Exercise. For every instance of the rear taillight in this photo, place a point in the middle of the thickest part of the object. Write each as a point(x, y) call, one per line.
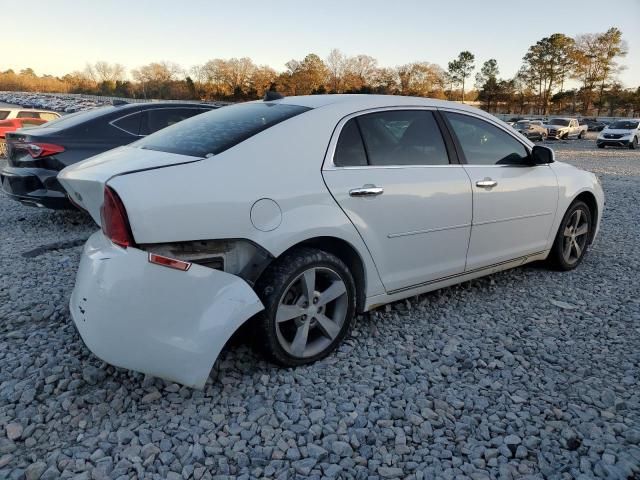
point(40, 150)
point(115, 223)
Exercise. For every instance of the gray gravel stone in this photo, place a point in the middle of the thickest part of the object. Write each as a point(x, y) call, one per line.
point(35, 471)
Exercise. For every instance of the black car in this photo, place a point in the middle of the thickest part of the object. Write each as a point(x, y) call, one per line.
point(35, 156)
point(595, 126)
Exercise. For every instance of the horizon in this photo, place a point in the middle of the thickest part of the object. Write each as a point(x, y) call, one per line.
point(392, 37)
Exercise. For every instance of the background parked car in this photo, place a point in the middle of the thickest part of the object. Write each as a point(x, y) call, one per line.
point(11, 113)
point(621, 133)
point(563, 128)
point(595, 125)
point(13, 125)
point(58, 102)
point(532, 129)
point(37, 155)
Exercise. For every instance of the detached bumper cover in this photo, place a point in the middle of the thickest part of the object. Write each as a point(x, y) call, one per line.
point(153, 319)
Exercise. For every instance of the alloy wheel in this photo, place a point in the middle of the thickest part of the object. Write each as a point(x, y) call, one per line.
point(311, 312)
point(575, 236)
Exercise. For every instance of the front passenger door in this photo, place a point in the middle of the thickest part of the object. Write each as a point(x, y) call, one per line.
point(514, 202)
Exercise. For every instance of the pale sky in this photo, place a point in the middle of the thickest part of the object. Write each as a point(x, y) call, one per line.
point(59, 36)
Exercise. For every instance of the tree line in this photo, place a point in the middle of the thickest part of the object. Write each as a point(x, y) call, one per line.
point(589, 63)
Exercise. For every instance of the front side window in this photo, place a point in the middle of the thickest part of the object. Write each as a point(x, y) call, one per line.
point(486, 144)
point(218, 130)
point(403, 137)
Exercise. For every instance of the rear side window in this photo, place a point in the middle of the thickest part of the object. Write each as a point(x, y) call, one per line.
point(48, 116)
point(28, 115)
point(216, 131)
point(486, 144)
point(350, 149)
point(130, 123)
point(403, 137)
point(4, 114)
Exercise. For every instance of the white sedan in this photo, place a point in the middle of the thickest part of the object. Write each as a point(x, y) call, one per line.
point(298, 213)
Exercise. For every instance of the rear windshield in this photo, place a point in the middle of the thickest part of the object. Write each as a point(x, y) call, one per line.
point(559, 121)
point(4, 114)
point(216, 131)
point(623, 125)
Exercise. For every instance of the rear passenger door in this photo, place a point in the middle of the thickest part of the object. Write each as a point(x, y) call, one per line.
point(390, 171)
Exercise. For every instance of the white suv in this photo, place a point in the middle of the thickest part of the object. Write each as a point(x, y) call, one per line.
point(11, 113)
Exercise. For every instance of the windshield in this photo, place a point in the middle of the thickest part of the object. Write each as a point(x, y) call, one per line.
point(623, 125)
point(218, 130)
point(559, 121)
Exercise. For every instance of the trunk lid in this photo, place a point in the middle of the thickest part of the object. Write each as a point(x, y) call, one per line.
point(85, 181)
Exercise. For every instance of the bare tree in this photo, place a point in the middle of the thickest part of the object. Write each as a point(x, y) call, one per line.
point(336, 64)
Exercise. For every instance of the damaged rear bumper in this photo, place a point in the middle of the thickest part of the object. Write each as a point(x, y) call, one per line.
point(156, 320)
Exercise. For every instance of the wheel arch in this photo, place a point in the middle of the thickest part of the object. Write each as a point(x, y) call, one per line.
point(590, 199)
point(346, 252)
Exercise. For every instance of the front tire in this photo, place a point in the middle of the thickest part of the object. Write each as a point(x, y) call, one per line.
point(310, 301)
point(633, 144)
point(572, 239)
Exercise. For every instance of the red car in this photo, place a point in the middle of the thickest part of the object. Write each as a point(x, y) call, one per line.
point(13, 125)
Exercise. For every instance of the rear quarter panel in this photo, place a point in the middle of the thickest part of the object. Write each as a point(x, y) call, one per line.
point(212, 198)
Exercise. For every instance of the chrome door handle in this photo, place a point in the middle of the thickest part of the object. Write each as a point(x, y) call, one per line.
point(486, 183)
point(366, 191)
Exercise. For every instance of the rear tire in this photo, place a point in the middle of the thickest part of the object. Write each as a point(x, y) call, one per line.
point(580, 135)
point(310, 301)
point(600, 146)
point(572, 239)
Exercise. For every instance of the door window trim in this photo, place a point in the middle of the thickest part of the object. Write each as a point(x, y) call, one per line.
point(458, 145)
point(329, 164)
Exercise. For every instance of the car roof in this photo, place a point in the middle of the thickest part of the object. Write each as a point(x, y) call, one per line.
point(36, 110)
point(364, 101)
point(152, 105)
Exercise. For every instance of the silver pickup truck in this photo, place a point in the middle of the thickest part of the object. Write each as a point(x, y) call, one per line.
point(560, 128)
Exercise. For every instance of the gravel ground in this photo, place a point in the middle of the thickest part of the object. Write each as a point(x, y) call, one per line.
point(524, 374)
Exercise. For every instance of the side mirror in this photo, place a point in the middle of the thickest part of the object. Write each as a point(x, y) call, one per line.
point(542, 155)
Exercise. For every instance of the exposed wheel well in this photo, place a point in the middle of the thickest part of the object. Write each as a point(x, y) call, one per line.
point(590, 200)
point(349, 255)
